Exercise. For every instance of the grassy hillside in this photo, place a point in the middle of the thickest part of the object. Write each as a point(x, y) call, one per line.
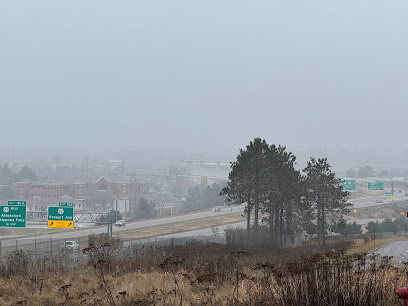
point(201, 274)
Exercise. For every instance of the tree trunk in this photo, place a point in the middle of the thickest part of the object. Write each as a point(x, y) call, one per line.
point(256, 200)
point(323, 225)
point(281, 232)
point(318, 222)
point(289, 224)
point(249, 213)
point(276, 221)
point(270, 214)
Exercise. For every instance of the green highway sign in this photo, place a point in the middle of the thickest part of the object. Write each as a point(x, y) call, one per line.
point(378, 185)
point(62, 217)
point(17, 203)
point(349, 185)
point(66, 204)
point(388, 194)
point(13, 216)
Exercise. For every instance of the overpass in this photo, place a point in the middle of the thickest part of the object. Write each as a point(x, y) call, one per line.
point(82, 217)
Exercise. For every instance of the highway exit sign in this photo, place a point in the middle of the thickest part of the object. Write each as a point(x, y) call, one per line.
point(17, 203)
point(388, 194)
point(13, 216)
point(378, 185)
point(349, 185)
point(62, 217)
point(61, 204)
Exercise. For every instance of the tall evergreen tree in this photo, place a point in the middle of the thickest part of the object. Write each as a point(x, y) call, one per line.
point(325, 193)
point(248, 179)
point(284, 203)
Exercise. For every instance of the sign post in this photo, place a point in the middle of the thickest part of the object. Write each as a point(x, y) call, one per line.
point(61, 217)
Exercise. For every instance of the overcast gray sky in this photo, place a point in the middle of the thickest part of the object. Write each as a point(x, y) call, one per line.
point(209, 76)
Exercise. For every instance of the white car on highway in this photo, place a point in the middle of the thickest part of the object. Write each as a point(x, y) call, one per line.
point(120, 223)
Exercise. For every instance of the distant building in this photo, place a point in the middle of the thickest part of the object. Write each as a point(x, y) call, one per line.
point(100, 194)
point(116, 165)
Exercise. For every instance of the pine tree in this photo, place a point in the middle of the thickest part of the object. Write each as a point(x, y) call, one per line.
point(248, 179)
point(325, 193)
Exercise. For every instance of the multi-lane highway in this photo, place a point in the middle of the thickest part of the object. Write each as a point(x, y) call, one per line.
point(377, 200)
point(70, 234)
point(397, 249)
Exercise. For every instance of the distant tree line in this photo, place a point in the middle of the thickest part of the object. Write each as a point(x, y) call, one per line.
point(388, 225)
point(344, 228)
point(287, 201)
point(367, 171)
point(362, 172)
point(202, 197)
point(8, 176)
point(144, 209)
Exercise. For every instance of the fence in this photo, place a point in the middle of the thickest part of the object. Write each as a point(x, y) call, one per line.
point(40, 248)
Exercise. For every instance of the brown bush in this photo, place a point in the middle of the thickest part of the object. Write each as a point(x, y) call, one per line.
point(208, 273)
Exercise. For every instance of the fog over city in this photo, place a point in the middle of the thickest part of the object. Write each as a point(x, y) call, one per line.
point(203, 152)
point(190, 79)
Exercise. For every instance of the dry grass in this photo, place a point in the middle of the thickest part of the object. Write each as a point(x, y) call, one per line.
point(29, 231)
point(364, 192)
point(380, 212)
point(181, 227)
point(203, 274)
point(372, 245)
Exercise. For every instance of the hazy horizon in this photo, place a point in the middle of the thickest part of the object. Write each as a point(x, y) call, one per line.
point(184, 79)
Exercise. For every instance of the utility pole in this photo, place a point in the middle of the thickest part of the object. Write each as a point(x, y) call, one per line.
point(109, 224)
point(374, 233)
point(116, 212)
point(110, 220)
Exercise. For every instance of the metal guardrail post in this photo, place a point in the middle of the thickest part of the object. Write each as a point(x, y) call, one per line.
point(51, 245)
point(16, 245)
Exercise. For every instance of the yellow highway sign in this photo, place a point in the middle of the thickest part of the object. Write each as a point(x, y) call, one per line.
point(61, 223)
point(355, 210)
point(392, 197)
point(402, 213)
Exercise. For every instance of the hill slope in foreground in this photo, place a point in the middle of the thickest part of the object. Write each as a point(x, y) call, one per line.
point(201, 274)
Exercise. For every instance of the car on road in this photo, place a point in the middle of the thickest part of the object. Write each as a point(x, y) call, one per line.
point(79, 226)
point(120, 223)
point(217, 208)
point(71, 245)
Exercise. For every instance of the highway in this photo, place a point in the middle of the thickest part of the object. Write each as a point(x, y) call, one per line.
point(72, 234)
point(79, 233)
point(397, 249)
point(204, 231)
point(377, 200)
